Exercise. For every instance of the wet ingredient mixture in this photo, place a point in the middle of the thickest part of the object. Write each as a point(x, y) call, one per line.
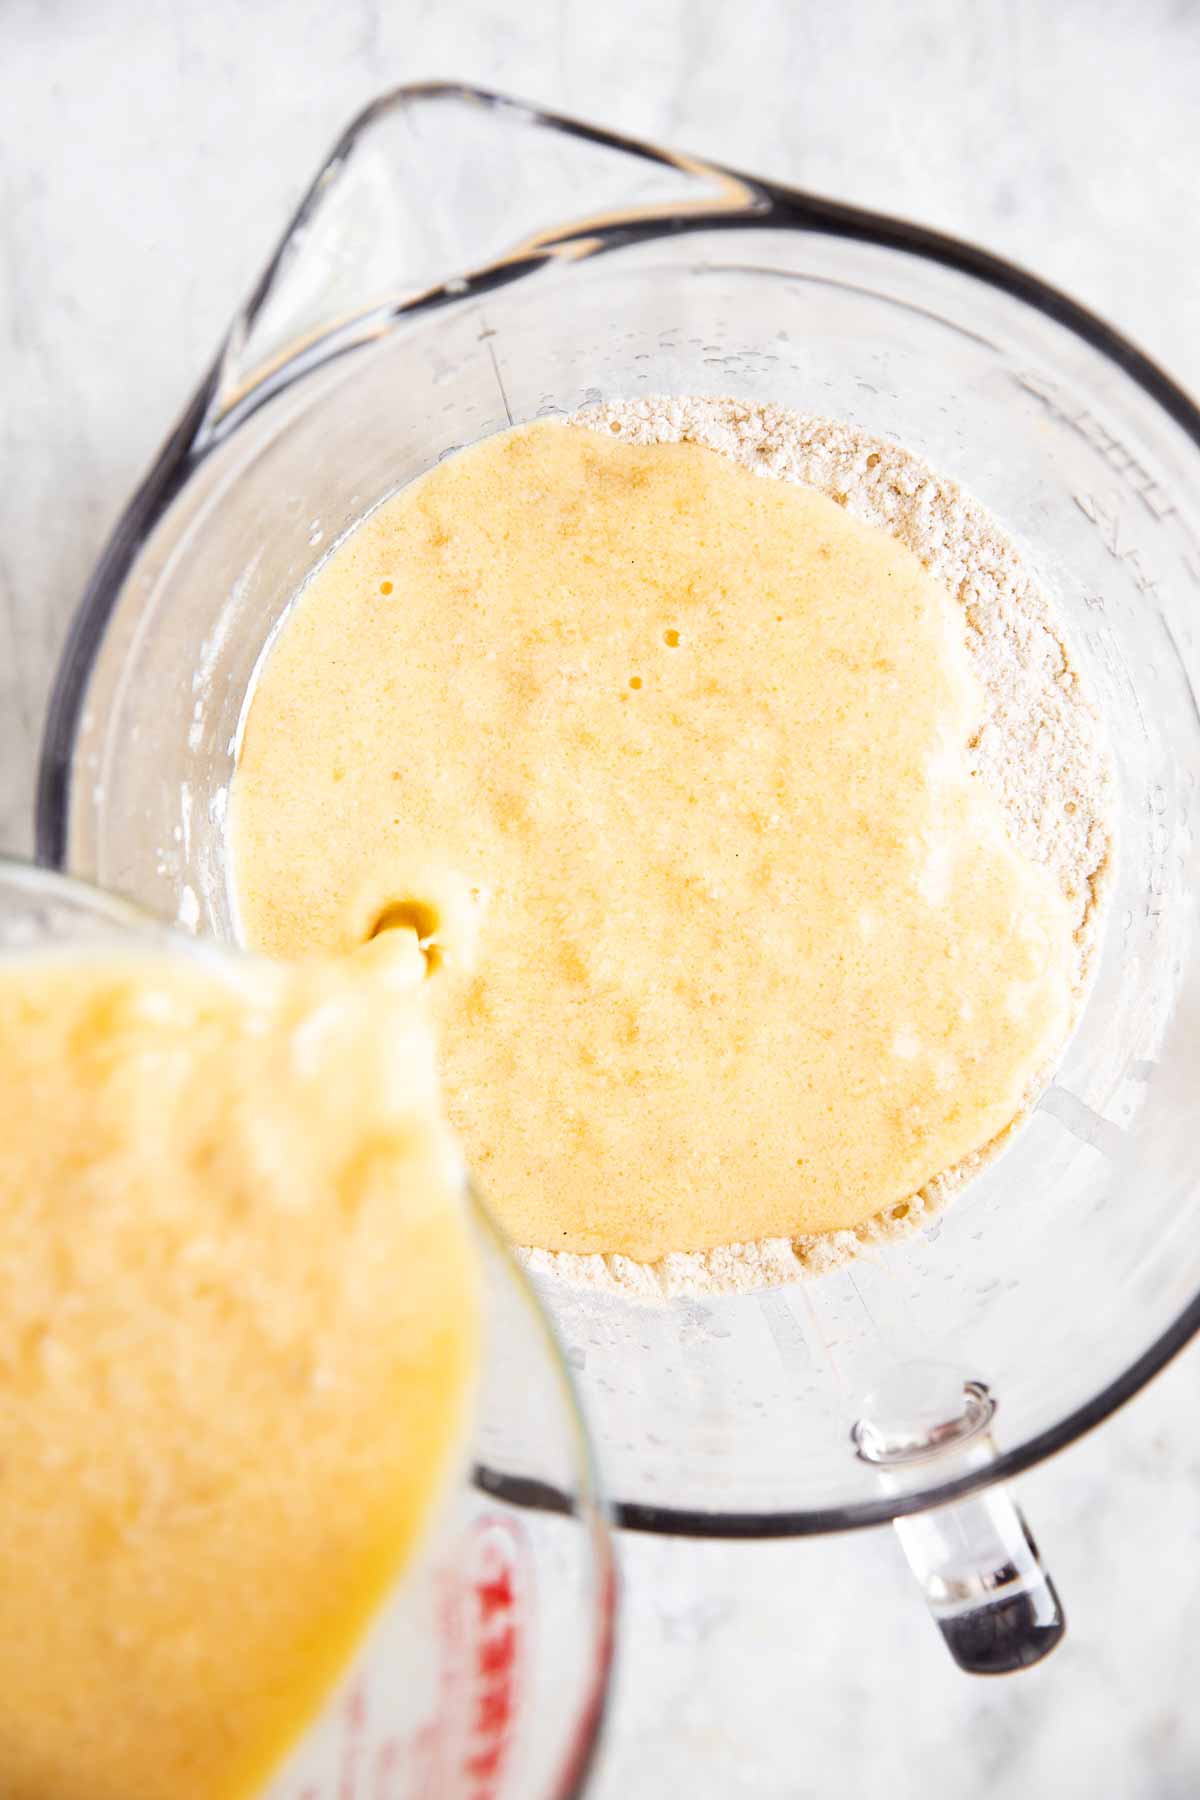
point(241, 1327)
point(678, 769)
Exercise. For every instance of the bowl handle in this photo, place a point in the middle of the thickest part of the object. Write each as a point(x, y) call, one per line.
point(979, 1569)
point(436, 192)
point(974, 1557)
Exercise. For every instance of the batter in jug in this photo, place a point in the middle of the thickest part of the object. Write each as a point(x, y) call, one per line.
point(241, 1330)
point(677, 770)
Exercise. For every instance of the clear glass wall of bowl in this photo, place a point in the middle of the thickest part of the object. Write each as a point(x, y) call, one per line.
point(432, 294)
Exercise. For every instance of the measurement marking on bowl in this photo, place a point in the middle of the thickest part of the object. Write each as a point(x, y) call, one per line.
point(491, 350)
point(1105, 643)
point(1181, 665)
point(1116, 453)
point(787, 1333)
point(1082, 1120)
point(1106, 516)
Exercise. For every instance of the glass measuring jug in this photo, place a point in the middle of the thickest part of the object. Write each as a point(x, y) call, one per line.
point(486, 1669)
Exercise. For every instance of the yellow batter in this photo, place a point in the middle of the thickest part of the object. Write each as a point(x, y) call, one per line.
point(239, 1329)
point(677, 757)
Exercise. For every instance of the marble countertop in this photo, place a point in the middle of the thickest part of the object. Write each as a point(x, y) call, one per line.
point(148, 156)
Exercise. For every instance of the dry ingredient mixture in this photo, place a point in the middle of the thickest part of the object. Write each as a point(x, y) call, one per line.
point(475, 634)
point(241, 1329)
point(1041, 751)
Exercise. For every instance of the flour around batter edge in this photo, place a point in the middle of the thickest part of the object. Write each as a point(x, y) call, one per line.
point(1041, 752)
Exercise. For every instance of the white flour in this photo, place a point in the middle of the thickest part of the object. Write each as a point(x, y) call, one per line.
point(1041, 749)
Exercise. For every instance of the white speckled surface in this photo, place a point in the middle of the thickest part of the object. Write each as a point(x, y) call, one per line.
point(148, 157)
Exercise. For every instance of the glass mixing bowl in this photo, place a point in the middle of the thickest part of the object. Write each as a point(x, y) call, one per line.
point(485, 1672)
point(424, 296)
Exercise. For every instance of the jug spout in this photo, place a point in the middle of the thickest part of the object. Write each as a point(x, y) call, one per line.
point(434, 192)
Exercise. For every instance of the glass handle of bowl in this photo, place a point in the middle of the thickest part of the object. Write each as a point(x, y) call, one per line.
point(983, 1581)
point(438, 192)
point(975, 1557)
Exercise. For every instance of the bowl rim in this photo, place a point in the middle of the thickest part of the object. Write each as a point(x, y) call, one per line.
point(756, 203)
